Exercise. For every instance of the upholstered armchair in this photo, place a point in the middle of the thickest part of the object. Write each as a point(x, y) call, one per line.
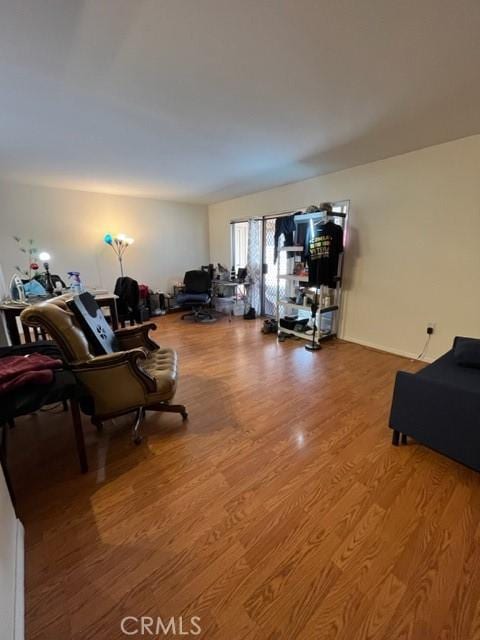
point(135, 374)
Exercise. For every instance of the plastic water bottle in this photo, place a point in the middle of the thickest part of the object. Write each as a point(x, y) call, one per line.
point(75, 282)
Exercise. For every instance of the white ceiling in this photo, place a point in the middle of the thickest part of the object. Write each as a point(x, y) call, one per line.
point(203, 100)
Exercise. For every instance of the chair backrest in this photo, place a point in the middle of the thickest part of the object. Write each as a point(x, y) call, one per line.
point(197, 281)
point(56, 320)
point(128, 293)
point(91, 320)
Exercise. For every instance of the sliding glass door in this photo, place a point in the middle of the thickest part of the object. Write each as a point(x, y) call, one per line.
point(269, 285)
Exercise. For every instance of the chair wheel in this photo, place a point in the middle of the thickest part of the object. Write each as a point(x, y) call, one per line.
point(184, 415)
point(138, 440)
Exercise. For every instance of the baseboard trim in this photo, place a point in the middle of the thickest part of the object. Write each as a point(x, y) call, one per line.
point(19, 628)
point(381, 347)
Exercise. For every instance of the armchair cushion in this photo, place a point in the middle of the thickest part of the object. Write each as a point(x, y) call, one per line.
point(161, 365)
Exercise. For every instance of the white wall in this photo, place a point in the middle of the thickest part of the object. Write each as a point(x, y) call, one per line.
point(11, 568)
point(413, 254)
point(169, 237)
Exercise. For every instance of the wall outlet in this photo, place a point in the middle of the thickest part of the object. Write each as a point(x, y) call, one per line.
point(431, 328)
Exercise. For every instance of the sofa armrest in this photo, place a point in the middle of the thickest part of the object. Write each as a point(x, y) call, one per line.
point(137, 336)
point(441, 415)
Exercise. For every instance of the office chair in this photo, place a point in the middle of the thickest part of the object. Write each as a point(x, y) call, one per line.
point(133, 374)
point(196, 295)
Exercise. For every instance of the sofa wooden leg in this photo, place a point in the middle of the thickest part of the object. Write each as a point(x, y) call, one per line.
point(77, 426)
point(396, 437)
point(404, 438)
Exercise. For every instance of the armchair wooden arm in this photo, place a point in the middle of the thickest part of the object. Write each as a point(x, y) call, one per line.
point(115, 381)
point(133, 337)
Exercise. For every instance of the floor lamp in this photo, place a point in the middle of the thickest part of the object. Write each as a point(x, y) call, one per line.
point(119, 244)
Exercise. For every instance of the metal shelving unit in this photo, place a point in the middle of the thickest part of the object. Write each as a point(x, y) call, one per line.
point(286, 283)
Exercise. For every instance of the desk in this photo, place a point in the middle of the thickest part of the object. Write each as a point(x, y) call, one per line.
point(229, 286)
point(11, 311)
point(227, 291)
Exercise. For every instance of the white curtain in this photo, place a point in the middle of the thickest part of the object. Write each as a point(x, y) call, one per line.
point(254, 263)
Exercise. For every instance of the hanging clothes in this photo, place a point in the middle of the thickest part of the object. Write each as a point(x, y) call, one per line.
point(301, 233)
point(284, 225)
point(323, 248)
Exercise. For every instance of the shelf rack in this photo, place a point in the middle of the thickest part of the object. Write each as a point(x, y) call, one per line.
point(286, 306)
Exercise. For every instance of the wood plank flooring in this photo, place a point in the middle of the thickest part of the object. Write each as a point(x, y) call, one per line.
point(279, 511)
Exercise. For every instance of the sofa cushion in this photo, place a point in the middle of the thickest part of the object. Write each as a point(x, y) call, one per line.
point(446, 370)
point(467, 352)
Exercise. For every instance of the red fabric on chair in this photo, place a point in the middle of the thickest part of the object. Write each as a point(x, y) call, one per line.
point(17, 371)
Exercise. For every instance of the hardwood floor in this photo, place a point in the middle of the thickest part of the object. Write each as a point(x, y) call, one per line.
point(279, 510)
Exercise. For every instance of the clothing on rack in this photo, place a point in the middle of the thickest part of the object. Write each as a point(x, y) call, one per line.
point(284, 225)
point(301, 234)
point(323, 248)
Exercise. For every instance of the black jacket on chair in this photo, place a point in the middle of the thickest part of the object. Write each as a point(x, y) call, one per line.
point(128, 303)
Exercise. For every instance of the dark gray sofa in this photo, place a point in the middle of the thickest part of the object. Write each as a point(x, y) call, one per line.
point(439, 406)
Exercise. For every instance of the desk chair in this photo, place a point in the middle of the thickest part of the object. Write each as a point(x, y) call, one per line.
point(196, 295)
point(125, 372)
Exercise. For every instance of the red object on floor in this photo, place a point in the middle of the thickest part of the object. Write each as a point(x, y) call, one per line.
point(17, 371)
